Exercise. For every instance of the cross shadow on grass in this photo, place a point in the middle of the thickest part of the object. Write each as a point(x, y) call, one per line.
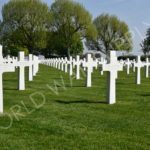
point(10, 89)
point(80, 101)
point(8, 80)
point(122, 83)
point(75, 86)
point(145, 95)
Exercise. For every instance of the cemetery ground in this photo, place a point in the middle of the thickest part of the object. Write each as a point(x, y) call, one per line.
point(59, 112)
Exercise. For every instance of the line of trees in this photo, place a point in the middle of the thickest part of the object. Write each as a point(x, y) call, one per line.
point(33, 27)
point(145, 45)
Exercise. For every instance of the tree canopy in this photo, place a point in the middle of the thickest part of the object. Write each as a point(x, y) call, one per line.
point(32, 26)
point(24, 24)
point(70, 23)
point(145, 45)
point(113, 34)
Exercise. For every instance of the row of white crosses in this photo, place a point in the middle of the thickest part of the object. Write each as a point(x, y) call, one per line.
point(32, 63)
point(9, 60)
point(63, 63)
point(101, 63)
point(112, 67)
point(137, 65)
point(89, 64)
point(21, 63)
point(128, 65)
point(9, 64)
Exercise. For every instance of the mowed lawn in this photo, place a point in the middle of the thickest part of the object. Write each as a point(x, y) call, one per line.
point(57, 112)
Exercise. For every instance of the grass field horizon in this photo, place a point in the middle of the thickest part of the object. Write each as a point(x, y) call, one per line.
point(73, 116)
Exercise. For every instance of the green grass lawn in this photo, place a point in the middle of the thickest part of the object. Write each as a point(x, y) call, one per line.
point(49, 117)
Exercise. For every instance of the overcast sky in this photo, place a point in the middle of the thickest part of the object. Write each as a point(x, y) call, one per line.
point(136, 13)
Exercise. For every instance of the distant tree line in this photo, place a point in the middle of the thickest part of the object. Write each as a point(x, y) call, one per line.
point(145, 45)
point(33, 27)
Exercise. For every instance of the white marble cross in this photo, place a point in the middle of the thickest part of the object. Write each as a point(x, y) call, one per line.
point(49, 63)
point(83, 61)
point(31, 67)
point(35, 65)
point(9, 59)
point(70, 66)
point(89, 64)
point(77, 63)
point(14, 59)
point(52, 64)
point(59, 63)
point(128, 64)
point(138, 66)
point(112, 67)
point(66, 64)
point(62, 64)
point(21, 64)
point(3, 68)
point(56, 63)
point(101, 62)
point(133, 62)
point(147, 64)
point(121, 61)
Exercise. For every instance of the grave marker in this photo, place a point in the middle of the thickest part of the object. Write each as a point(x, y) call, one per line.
point(70, 66)
point(31, 67)
point(138, 65)
point(3, 68)
point(62, 64)
point(89, 64)
point(128, 64)
point(147, 64)
point(66, 65)
point(112, 67)
point(77, 63)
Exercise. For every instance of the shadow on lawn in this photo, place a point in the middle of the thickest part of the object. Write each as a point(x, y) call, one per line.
point(75, 86)
point(147, 95)
point(80, 101)
point(10, 80)
point(10, 89)
point(125, 83)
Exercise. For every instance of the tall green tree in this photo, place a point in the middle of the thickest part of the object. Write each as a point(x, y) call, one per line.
point(70, 23)
point(145, 45)
point(113, 34)
point(24, 24)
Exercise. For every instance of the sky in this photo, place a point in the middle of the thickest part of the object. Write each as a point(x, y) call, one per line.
point(136, 13)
